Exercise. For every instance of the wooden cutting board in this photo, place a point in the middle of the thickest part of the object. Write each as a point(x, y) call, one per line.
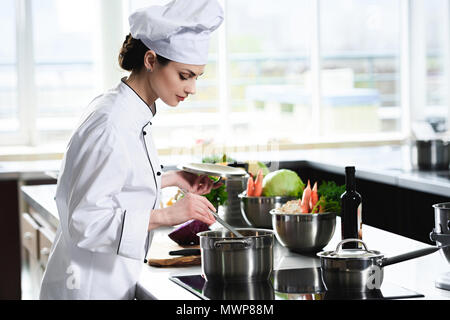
point(158, 254)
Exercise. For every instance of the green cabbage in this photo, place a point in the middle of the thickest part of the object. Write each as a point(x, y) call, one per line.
point(282, 182)
point(255, 166)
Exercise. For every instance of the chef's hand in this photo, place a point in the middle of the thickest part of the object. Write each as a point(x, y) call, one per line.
point(191, 182)
point(191, 206)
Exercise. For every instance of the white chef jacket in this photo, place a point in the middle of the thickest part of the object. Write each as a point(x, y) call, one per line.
point(110, 181)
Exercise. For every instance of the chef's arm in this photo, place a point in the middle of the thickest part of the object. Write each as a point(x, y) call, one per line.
point(188, 181)
point(169, 179)
point(159, 218)
point(191, 206)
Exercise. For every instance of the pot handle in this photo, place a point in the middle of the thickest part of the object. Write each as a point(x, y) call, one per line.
point(406, 256)
point(339, 246)
point(220, 243)
point(439, 237)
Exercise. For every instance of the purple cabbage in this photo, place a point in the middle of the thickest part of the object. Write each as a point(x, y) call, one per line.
point(186, 234)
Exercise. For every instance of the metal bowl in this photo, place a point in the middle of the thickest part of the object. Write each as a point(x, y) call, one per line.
point(303, 233)
point(256, 210)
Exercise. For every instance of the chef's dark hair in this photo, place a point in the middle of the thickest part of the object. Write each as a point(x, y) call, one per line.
point(131, 56)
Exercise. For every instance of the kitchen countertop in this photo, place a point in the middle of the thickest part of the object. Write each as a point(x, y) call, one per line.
point(385, 164)
point(41, 198)
point(417, 275)
point(27, 170)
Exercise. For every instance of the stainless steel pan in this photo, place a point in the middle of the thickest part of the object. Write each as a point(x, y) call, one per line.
point(359, 269)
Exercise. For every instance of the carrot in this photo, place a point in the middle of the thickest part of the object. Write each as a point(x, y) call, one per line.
point(321, 209)
point(314, 196)
point(250, 186)
point(318, 207)
point(258, 184)
point(304, 206)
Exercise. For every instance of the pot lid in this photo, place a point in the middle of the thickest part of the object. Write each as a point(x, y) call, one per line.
point(213, 170)
point(341, 253)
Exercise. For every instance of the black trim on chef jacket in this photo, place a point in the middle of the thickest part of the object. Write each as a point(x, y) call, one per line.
point(140, 98)
point(154, 177)
point(148, 157)
point(121, 231)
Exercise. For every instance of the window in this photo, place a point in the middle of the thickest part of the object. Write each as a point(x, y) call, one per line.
point(360, 75)
point(301, 72)
point(269, 65)
point(64, 69)
point(436, 39)
point(9, 112)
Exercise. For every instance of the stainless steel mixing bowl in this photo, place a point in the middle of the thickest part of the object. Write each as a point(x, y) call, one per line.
point(303, 233)
point(256, 210)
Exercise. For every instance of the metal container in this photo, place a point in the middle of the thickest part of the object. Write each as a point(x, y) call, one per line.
point(441, 235)
point(256, 210)
point(232, 209)
point(441, 231)
point(303, 233)
point(359, 269)
point(431, 154)
point(226, 258)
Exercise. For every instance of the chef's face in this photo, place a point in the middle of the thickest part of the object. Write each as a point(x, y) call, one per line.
point(175, 81)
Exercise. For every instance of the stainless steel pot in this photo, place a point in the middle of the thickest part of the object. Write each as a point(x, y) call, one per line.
point(441, 235)
point(441, 231)
point(359, 269)
point(431, 154)
point(226, 258)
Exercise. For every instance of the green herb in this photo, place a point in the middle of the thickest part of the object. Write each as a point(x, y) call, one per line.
point(217, 196)
point(330, 196)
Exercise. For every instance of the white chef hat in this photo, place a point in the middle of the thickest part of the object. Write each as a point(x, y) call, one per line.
point(179, 30)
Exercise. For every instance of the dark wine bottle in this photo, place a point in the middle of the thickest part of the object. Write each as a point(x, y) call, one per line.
point(351, 206)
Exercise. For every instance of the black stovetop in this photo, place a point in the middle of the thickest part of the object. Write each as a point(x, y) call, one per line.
point(288, 284)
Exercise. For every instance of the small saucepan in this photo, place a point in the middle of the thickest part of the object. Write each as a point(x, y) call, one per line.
point(359, 269)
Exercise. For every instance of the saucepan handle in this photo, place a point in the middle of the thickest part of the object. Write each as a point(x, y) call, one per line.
point(339, 246)
point(407, 256)
point(220, 243)
point(440, 237)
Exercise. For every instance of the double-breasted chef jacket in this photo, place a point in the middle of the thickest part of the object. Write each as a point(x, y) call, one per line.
point(110, 181)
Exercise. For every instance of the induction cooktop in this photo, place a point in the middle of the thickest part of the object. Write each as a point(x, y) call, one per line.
point(288, 284)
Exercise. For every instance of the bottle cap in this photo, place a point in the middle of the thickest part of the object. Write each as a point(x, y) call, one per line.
point(349, 169)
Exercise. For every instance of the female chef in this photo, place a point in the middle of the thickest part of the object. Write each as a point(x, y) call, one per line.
point(110, 180)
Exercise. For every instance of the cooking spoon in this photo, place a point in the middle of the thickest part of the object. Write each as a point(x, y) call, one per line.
point(223, 223)
point(226, 225)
